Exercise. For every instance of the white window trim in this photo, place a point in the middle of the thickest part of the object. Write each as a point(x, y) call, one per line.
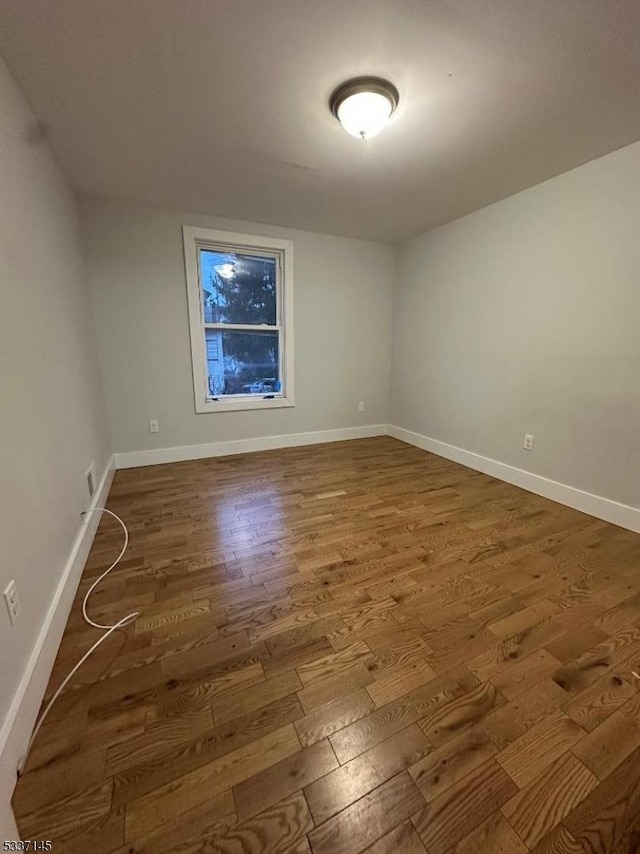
point(194, 238)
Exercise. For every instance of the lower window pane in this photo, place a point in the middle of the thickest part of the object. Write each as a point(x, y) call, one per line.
point(242, 363)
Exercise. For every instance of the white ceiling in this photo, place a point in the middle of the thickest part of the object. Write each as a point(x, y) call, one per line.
point(220, 106)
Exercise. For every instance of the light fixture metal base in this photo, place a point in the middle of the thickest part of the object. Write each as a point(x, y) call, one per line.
point(363, 84)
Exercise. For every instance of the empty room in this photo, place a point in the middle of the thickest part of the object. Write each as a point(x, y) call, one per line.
point(320, 435)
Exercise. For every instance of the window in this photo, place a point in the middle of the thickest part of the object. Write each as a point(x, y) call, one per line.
point(239, 289)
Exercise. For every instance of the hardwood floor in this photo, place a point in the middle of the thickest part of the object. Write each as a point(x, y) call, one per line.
point(348, 647)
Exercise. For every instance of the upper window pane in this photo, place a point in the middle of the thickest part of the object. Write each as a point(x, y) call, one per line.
point(238, 288)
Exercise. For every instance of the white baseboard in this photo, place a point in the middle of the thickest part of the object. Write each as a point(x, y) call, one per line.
point(180, 453)
point(21, 718)
point(594, 505)
point(8, 827)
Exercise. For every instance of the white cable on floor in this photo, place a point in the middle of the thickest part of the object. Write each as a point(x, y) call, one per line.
point(87, 618)
point(125, 621)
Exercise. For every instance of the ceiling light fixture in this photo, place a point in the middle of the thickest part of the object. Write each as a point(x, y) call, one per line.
point(363, 105)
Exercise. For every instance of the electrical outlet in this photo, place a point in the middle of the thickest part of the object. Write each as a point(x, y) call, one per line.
point(528, 442)
point(154, 427)
point(91, 479)
point(361, 406)
point(12, 601)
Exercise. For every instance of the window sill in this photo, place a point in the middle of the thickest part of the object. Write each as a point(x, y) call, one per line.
point(238, 405)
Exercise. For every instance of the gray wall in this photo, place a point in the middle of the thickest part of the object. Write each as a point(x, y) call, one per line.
point(53, 419)
point(342, 304)
point(525, 318)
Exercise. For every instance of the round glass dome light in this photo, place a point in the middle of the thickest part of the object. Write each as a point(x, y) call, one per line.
point(364, 105)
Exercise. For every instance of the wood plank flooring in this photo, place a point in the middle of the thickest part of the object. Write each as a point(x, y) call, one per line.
point(344, 648)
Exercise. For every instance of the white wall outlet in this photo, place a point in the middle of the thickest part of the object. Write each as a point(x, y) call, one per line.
point(91, 479)
point(12, 601)
point(361, 406)
point(154, 427)
point(528, 442)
